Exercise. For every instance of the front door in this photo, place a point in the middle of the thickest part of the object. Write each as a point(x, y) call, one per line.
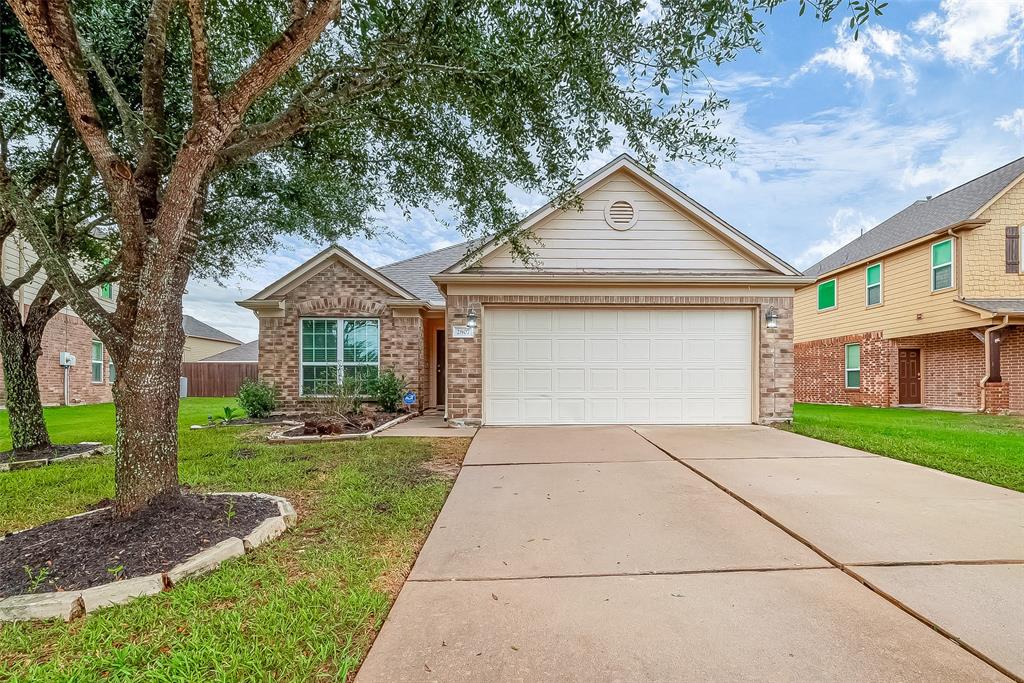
point(439, 380)
point(910, 376)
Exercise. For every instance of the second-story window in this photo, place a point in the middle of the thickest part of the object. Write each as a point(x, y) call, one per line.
point(874, 284)
point(107, 290)
point(942, 265)
point(827, 295)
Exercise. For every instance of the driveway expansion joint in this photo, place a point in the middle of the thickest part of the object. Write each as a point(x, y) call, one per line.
point(848, 569)
point(599, 575)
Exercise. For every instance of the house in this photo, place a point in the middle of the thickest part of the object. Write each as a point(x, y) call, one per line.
point(203, 341)
point(640, 307)
point(924, 309)
point(91, 378)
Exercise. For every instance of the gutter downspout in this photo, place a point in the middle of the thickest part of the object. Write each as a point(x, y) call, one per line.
point(988, 353)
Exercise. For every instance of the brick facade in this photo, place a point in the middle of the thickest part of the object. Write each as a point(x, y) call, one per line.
point(775, 353)
point(66, 332)
point(952, 365)
point(337, 291)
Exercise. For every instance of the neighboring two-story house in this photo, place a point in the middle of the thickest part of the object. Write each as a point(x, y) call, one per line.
point(91, 379)
point(925, 309)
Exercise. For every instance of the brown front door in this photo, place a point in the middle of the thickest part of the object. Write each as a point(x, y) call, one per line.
point(910, 376)
point(439, 382)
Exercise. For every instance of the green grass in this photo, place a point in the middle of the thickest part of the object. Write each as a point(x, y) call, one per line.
point(96, 422)
point(305, 607)
point(988, 448)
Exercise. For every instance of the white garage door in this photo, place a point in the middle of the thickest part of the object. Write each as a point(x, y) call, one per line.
point(627, 365)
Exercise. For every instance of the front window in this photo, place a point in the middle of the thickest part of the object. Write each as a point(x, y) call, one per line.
point(827, 295)
point(97, 362)
point(107, 290)
point(874, 284)
point(942, 265)
point(853, 366)
point(110, 371)
point(333, 350)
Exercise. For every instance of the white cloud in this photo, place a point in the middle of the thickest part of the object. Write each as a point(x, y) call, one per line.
point(1012, 123)
point(976, 33)
point(878, 52)
point(845, 225)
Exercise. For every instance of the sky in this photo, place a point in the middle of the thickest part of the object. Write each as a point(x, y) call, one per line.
point(833, 136)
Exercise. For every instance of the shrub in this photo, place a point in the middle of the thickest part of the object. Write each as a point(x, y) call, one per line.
point(387, 390)
point(257, 398)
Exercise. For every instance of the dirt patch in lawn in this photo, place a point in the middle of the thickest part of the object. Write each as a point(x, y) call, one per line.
point(78, 552)
point(447, 455)
point(59, 451)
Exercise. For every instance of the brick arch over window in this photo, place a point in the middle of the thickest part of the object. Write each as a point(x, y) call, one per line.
point(342, 305)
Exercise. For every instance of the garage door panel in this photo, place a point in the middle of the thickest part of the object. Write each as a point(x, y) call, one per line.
point(503, 380)
point(639, 366)
point(604, 379)
point(502, 349)
point(537, 380)
point(570, 351)
point(571, 410)
point(604, 351)
point(537, 350)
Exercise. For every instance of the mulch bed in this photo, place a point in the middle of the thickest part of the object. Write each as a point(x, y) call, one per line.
point(323, 425)
point(46, 453)
point(80, 552)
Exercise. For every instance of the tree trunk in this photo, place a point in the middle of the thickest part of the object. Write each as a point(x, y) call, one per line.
point(146, 404)
point(20, 356)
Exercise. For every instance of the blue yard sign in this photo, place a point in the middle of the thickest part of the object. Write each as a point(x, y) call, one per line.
point(409, 398)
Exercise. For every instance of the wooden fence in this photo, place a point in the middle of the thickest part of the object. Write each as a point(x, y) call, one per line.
point(216, 379)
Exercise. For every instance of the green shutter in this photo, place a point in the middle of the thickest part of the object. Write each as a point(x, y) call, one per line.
point(942, 253)
point(874, 274)
point(826, 295)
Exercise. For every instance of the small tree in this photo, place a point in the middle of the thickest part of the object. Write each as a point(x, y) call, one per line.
point(406, 102)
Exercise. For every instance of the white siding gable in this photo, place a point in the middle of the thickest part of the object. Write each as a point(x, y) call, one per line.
point(663, 238)
point(18, 256)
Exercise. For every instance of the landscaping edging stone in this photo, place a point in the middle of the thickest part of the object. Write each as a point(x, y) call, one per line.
point(280, 437)
point(99, 449)
point(71, 605)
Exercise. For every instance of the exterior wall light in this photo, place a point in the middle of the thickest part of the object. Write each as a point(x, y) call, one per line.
point(771, 318)
point(471, 318)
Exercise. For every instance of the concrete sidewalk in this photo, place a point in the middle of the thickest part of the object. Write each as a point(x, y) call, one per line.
point(585, 553)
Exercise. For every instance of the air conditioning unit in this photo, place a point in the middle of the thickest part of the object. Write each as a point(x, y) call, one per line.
point(67, 360)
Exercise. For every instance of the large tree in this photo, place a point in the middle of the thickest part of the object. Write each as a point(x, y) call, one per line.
point(325, 111)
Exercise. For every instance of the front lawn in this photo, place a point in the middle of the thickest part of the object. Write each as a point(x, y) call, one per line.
point(305, 607)
point(988, 448)
point(71, 424)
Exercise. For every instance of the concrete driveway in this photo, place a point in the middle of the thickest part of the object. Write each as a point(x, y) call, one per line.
point(699, 553)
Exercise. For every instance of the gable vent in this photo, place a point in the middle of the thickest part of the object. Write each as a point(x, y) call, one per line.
point(620, 214)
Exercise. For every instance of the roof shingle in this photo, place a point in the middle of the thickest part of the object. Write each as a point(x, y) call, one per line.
point(197, 328)
point(414, 273)
point(922, 218)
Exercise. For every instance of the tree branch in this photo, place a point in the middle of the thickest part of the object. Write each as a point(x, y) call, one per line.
point(58, 268)
point(203, 100)
point(51, 29)
point(129, 119)
point(279, 58)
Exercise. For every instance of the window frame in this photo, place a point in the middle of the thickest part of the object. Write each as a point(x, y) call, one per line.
point(835, 295)
point(950, 265)
point(93, 362)
point(111, 374)
point(847, 369)
point(868, 285)
point(339, 363)
point(104, 294)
